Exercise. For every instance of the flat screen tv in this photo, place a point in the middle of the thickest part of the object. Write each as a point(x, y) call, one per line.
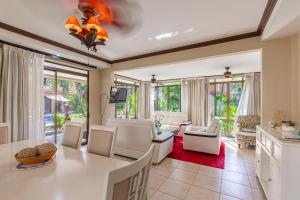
point(117, 95)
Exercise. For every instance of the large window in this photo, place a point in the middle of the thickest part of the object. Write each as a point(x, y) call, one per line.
point(168, 98)
point(224, 99)
point(128, 109)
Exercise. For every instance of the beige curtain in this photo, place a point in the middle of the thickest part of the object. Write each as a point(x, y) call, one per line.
point(198, 101)
point(144, 101)
point(21, 92)
point(250, 98)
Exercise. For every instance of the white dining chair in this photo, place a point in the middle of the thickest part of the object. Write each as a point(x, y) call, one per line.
point(130, 182)
point(72, 136)
point(5, 135)
point(102, 140)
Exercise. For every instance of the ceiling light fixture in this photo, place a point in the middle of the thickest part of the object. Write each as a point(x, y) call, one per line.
point(227, 74)
point(153, 79)
point(91, 34)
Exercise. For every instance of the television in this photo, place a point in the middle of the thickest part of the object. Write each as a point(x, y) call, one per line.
point(117, 95)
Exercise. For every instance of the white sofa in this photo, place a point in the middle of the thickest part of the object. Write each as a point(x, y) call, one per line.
point(134, 138)
point(206, 140)
point(170, 118)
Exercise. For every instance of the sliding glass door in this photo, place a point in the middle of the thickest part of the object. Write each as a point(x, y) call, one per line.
point(66, 99)
point(224, 99)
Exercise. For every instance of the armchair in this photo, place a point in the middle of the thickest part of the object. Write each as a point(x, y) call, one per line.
point(245, 133)
point(202, 139)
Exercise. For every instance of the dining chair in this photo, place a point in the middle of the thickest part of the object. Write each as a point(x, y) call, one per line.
point(130, 182)
point(102, 140)
point(5, 135)
point(72, 136)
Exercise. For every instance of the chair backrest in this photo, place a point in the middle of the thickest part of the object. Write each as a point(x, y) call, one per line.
point(73, 133)
point(133, 137)
point(130, 182)
point(248, 122)
point(102, 140)
point(5, 135)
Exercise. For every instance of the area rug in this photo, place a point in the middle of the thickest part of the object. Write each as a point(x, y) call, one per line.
point(179, 153)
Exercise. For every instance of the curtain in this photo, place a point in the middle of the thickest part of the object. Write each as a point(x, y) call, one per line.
point(144, 101)
point(250, 98)
point(21, 92)
point(184, 96)
point(198, 101)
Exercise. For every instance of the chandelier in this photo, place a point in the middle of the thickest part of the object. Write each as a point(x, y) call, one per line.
point(90, 33)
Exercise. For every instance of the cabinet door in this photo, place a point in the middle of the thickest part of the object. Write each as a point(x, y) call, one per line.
point(258, 159)
point(275, 184)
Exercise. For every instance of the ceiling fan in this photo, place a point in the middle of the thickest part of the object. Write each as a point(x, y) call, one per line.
point(227, 74)
point(153, 79)
point(117, 15)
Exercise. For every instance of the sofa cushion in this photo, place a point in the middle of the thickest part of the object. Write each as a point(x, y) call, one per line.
point(212, 127)
point(201, 134)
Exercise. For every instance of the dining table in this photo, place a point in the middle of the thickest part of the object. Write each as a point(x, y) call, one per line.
point(71, 175)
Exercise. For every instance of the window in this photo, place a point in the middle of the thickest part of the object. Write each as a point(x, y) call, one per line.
point(128, 109)
point(168, 98)
point(224, 98)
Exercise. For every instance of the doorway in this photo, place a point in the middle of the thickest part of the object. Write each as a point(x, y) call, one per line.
point(65, 99)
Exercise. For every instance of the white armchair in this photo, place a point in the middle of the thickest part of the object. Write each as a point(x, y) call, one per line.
point(206, 140)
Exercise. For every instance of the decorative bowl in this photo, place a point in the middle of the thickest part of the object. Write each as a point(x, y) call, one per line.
point(36, 159)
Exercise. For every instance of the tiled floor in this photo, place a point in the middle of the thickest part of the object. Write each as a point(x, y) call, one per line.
point(175, 180)
point(179, 180)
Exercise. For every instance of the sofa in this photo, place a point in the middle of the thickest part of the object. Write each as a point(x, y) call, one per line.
point(203, 139)
point(134, 137)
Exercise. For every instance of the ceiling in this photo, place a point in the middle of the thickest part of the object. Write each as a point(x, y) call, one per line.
point(165, 24)
point(285, 21)
point(239, 63)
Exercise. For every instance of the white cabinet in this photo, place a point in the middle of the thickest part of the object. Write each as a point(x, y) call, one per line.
point(277, 164)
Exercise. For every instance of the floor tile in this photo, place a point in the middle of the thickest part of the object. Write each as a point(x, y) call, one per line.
point(175, 188)
point(187, 166)
point(225, 197)
point(210, 171)
point(197, 193)
point(254, 182)
point(251, 171)
point(156, 180)
point(208, 182)
point(235, 168)
point(151, 192)
point(184, 176)
point(236, 190)
point(161, 170)
point(258, 194)
point(169, 162)
point(162, 196)
point(235, 177)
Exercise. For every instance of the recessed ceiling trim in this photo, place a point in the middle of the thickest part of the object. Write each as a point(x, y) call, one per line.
point(192, 46)
point(266, 16)
point(48, 41)
point(263, 22)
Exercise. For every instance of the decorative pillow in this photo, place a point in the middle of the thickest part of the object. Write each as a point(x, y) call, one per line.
point(213, 125)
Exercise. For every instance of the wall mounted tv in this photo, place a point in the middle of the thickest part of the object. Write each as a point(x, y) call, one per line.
point(117, 95)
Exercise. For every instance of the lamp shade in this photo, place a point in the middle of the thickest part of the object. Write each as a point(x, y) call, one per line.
point(93, 24)
point(72, 24)
point(102, 35)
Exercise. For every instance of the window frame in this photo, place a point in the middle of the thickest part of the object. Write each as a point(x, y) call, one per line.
point(156, 97)
point(136, 88)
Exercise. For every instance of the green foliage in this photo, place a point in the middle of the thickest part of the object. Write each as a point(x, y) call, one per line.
point(64, 84)
point(168, 98)
point(59, 120)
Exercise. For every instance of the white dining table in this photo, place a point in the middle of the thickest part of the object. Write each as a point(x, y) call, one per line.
point(72, 175)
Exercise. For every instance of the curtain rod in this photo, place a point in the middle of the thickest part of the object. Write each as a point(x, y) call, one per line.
point(49, 55)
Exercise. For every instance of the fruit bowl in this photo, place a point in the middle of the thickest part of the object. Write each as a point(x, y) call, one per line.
point(35, 159)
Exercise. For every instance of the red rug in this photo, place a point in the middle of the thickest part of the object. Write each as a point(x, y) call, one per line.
point(179, 153)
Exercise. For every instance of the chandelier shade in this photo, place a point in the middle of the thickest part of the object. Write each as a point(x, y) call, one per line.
point(93, 24)
point(102, 35)
point(72, 24)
